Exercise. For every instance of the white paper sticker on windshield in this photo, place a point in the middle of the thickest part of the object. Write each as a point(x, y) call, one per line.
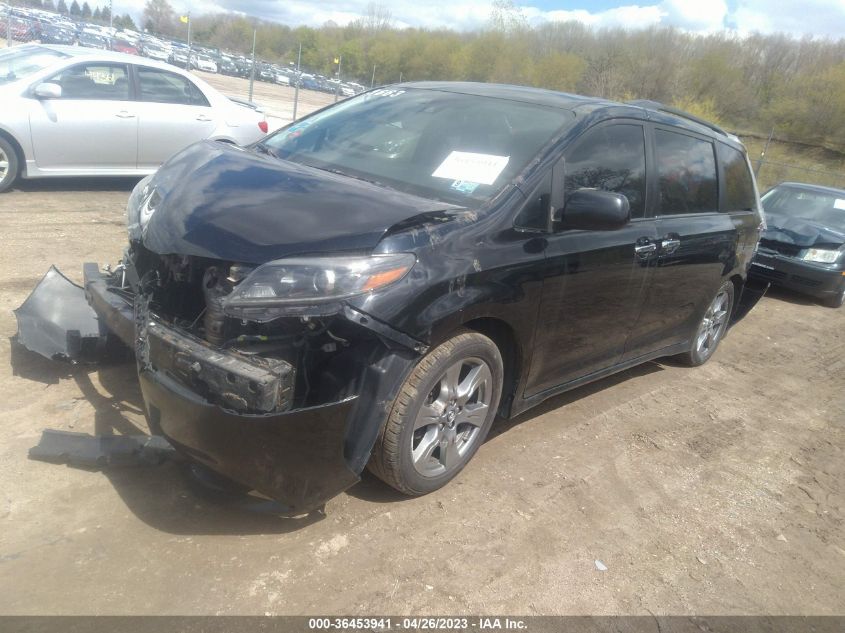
point(839, 204)
point(479, 168)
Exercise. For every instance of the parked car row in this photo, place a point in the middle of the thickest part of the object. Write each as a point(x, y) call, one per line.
point(30, 25)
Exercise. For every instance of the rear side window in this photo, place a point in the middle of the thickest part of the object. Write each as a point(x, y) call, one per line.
point(686, 168)
point(611, 158)
point(160, 86)
point(739, 187)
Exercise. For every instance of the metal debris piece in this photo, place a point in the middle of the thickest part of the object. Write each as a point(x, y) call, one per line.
point(99, 451)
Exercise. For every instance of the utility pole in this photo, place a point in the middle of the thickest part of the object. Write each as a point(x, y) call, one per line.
point(298, 78)
point(373, 80)
point(252, 72)
point(111, 15)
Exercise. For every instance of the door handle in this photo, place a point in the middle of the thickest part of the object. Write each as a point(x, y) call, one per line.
point(203, 117)
point(669, 245)
point(644, 251)
point(123, 114)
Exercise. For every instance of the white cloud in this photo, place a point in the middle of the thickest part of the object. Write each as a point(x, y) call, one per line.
point(630, 16)
point(823, 18)
point(798, 17)
point(696, 15)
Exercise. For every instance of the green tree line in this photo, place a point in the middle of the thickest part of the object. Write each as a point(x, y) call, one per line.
point(751, 83)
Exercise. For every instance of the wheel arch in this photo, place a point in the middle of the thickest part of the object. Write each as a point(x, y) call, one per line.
point(505, 338)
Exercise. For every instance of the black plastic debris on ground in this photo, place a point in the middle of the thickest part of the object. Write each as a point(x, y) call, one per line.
point(57, 322)
point(99, 451)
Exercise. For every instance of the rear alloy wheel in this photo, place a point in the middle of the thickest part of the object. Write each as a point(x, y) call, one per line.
point(712, 327)
point(8, 164)
point(441, 416)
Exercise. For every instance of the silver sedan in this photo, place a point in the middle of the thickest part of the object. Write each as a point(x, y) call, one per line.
point(70, 111)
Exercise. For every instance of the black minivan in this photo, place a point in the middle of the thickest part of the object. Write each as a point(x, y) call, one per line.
point(372, 284)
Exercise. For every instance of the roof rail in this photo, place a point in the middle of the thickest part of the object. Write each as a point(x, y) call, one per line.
point(656, 105)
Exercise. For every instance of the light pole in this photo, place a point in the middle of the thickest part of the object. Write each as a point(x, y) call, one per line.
point(188, 61)
point(337, 87)
point(111, 15)
point(297, 79)
point(252, 72)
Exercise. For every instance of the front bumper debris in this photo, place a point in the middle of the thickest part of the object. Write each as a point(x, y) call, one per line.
point(295, 457)
point(100, 451)
point(56, 321)
point(219, 408)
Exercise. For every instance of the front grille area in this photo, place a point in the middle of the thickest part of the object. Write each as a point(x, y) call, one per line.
point(768, 275)
point(812, 283)
point(790, 250)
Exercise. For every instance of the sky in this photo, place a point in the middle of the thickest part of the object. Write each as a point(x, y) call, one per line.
point(823, 18)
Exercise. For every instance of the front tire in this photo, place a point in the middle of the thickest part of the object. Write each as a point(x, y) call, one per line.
point(9, 166)
point(441, 416)
point(712, 327)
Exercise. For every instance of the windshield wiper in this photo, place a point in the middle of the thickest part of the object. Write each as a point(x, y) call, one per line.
point(340, 172)
point(264, 149)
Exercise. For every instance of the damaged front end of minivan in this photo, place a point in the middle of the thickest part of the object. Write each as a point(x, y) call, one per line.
point(265, 372)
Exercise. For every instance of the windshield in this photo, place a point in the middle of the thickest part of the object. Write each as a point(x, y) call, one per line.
point(440, 145)
point(21, 62)
point(827, 209)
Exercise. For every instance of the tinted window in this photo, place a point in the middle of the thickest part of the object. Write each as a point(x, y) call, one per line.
point(611, 158)
point(739, 188)
point(686, 168)
point(161, 86)
point(94, 81)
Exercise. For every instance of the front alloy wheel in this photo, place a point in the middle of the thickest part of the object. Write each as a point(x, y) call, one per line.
point(441, 416)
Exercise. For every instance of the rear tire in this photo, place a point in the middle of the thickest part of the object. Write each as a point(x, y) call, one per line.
point(712, 327)
point(9, 165)
point(441, 415)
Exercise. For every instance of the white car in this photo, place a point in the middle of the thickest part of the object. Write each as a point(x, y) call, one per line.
point(71, 111)
point(204, 63)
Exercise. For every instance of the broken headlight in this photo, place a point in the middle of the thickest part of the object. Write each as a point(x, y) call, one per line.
point(822, 255)
point(319, 283)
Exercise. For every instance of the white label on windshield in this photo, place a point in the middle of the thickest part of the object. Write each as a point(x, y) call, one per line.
point(839, 204)
point(479, 168)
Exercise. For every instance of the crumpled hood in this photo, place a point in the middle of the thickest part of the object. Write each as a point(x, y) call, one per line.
point(225, 202)
point(806, 233)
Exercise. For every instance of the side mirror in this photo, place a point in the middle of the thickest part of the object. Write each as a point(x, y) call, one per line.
point(48, 90)
point(594, 210)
